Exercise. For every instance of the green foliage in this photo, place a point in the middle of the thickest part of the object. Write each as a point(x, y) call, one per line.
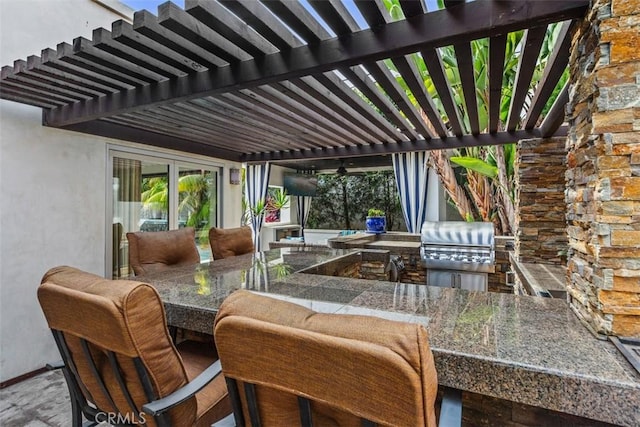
point(340, 200)
point(477, 165)
point(279, 198)
point(375, 212)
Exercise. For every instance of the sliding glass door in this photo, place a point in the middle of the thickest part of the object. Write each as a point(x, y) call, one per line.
point(151, 194)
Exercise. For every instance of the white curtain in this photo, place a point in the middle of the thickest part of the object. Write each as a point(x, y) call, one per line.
point(256, 183)
point(412, 179)
point(303, 207)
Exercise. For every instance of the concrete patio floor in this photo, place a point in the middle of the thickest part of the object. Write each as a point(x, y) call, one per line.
point(37, 402)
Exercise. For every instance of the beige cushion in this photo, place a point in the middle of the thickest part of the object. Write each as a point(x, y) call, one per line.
point(151, 251)
point(228, 242)
point(128, 318)
point(355, 366)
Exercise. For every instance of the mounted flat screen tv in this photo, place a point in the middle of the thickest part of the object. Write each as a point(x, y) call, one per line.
point(298, 184)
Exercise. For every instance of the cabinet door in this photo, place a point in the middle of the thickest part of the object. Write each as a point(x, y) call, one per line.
point(442, 278)
point(472, 282)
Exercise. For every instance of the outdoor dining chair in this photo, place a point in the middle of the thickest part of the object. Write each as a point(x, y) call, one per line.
point(287, 365)
point(120, 365)
point(151, 251)
point(228, 242)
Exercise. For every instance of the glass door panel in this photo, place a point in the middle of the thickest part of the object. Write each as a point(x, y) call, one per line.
point(198, 204)
point(140, 203)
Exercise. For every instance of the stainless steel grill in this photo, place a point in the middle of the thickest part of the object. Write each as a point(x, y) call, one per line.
point(455, 252)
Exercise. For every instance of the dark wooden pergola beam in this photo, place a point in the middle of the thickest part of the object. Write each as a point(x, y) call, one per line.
point(472, 21)
point(126, 133)
point(467, 78)
point(555, 117)
point(556, 64)
point(497, 47)
point(499, 138)
point(533, 39)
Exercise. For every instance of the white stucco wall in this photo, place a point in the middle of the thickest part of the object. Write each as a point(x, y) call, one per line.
point(52, 185)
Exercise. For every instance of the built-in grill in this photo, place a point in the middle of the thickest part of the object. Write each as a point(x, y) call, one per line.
point(458, 254)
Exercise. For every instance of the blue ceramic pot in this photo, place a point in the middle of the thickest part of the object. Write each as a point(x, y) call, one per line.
point(376, 224)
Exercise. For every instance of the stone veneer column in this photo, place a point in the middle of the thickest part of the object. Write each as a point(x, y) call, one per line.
point(540, 223)
point(603, 176)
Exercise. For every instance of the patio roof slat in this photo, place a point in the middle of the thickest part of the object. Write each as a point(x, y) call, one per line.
point(556, 64)
point(247, 126)
point(49, 58)
point(123, 33)
point(467, 78)
point(533, 39)
point(20, 69)
point(180, 22)
point(213, 130)
point(411, 7)
point(364, 84)
point(347, 95)
point(85, 49)
point(333, 118)
point(331, 99)
point(218, 18)
point(102, 39)
point(288, 123)
point(29, 97)
point(54, 96)
point(424, 31)
point(35, 65)
point(336, 15)
point(299, 19)
point(105, 128)
point(147, 24)
point(264, 22)
point(556, 115)
point(433, 62)
point(160, 123)
point(39, 84)
point(65, 53)
point(411, 77)
point(497, 48)
point(276, 104)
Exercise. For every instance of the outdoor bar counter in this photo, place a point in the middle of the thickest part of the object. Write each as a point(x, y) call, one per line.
point(525, 349)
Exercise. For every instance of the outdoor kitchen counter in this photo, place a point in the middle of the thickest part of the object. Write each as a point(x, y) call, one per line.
point(525, 349)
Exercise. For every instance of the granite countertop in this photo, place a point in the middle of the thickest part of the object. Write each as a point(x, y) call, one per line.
point(530, 350)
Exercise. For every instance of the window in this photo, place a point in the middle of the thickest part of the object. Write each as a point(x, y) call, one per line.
point(153, 193)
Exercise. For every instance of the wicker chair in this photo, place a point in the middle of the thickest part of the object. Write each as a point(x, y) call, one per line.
point(288, 365)
point(119, 362)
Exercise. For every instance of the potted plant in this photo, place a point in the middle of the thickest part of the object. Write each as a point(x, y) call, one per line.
point(376, 221)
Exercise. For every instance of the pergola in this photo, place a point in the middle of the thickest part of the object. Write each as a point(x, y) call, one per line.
point(253, 81)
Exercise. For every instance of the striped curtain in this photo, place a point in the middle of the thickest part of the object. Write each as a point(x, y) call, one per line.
point(257, 181)
point(303, 207)
point(412, 179)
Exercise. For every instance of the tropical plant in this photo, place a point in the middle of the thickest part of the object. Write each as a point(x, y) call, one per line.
point(485, 187)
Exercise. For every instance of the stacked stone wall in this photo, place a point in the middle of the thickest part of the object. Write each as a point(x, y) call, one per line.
point(541, 227)
point(603, 176)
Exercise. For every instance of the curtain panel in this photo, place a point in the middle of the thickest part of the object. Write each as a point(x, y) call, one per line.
point(256, 184)
point(412, 179)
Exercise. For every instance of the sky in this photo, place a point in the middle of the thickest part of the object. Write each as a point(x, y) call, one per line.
point(152, 6)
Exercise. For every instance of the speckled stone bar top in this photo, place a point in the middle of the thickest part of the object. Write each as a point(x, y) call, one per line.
point(525, 349)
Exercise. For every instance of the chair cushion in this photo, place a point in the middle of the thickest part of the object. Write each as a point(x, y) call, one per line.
point(122, 316)
point(376, 368)
point(151, 251)
point(228, 242)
